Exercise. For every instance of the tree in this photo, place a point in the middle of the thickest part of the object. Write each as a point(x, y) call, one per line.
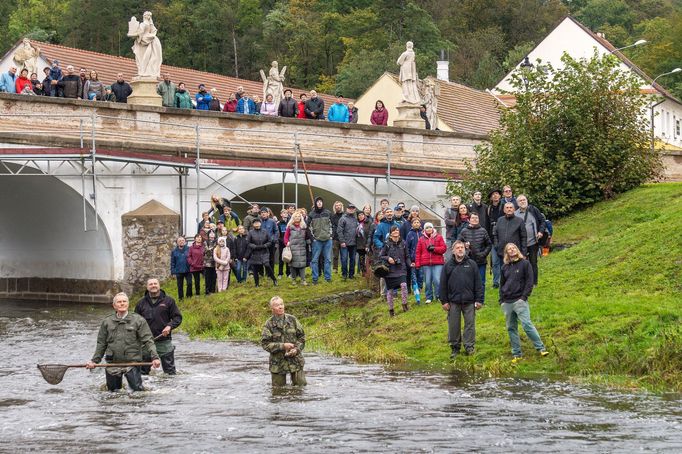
point(576, 136)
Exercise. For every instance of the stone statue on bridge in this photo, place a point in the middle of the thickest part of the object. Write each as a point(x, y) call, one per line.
point(26, 57)
point(429, 94)
point(408, 75)
point(273, 84)
point(147, 47)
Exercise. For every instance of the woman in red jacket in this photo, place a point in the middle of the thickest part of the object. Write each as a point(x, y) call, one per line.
point(379, 114)
point(429, 258)
point(23, 81)
point(301, 105)
point(195, 259)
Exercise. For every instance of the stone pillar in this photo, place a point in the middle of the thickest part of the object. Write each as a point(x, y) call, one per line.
point(409, 116)
point(144, 92)
point(149, 235)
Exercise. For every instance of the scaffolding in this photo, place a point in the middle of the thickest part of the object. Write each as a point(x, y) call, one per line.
point(86, 161)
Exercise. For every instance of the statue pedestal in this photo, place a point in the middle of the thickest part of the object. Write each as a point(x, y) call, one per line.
point(144, 92)
point(409, 116)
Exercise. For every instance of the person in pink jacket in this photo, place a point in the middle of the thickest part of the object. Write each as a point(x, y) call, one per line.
point(221, 255)
point(429, 258)
point(195, 259)
point(379, 114)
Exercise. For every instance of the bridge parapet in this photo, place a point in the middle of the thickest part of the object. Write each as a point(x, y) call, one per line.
point(225, 136)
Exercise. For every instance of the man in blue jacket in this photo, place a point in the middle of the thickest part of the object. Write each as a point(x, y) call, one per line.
point(203, 98)
point(180, 267)
point(338, 112)
point(246, 106)
point(8, 81)
point(383, 229)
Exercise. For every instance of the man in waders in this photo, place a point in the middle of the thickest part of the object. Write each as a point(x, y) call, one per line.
point(284, 339)
point(162, 315)
point(123, 336)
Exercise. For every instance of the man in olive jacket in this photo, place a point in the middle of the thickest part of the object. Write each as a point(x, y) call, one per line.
point(283, 337)
point(123, 336)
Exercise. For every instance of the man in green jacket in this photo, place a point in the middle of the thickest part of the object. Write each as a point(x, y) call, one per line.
point(166, 90)
point(122, 338)
point(283, 337)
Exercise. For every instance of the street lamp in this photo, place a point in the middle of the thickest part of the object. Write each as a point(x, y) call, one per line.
point(525, 66)
point(637, 43)
point(653, 105)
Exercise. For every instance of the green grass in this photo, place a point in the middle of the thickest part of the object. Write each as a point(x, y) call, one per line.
point(608, 307)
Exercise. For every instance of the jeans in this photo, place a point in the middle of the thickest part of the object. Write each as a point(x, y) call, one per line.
point(181, 278)
point(496, 265)
point(455, 326)
point(133, 377)
point(241, 270)
point(448, 252)
point(324, 249)
point(432, 280)
point(513, 313)
point(481, 271)
point(348, 261)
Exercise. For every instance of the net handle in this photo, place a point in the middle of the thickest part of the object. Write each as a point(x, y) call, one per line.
point(97, 365)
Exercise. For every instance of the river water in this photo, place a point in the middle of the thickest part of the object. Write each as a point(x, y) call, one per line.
point(221, 401)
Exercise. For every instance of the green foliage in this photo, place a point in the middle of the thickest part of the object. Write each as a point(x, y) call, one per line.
point(576, 136)
point(607, 308)
point(348, 42)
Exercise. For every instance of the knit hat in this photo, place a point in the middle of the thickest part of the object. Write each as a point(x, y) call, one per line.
point(414, 208)
point(428, 225)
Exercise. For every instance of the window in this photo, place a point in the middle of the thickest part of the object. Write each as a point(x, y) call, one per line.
point(678, 129)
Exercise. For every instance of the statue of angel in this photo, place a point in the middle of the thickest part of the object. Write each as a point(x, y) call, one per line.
point(147, 47)
point(429, 92)
point(273, 84)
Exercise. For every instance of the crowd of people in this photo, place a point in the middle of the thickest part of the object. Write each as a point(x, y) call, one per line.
point(395, 244)
point(86, 85)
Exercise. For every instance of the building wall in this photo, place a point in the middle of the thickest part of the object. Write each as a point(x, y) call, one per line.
point(387, 90)
point(569, 37)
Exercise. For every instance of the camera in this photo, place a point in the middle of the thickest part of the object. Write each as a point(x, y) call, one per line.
point(397, 261)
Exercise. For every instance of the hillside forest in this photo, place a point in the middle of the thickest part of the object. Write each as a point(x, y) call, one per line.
point(344, 45)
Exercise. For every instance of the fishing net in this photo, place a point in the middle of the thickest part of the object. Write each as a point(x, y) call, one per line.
point(53, 373)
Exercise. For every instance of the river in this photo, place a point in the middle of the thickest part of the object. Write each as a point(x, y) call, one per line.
point(221, 401)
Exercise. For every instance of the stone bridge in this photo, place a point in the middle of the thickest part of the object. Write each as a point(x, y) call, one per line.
point(93, 194)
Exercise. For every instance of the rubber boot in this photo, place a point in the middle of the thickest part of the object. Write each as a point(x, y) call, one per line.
point(405, 308)
point(391, 312)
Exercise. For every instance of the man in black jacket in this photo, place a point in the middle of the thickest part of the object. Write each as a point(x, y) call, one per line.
point(462, 294)
point(516, 285)
point(288, 107)
point(509, 229)
point(314, 107)
point(477, 206)
point(478, 245)
point(121, 89)
point(534, 221)
point(494, 212)
point(70, 86)
point(162, 315)
point(336, 245)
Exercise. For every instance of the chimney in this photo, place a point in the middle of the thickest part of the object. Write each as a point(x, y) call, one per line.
point(443, 68)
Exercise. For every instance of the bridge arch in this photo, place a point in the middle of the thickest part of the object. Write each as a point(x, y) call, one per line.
point(42, 234)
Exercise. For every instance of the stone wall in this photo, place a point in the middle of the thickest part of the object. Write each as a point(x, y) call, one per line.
point(147, 241)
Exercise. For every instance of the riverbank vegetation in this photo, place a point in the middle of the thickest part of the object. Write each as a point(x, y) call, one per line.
point(608, 306)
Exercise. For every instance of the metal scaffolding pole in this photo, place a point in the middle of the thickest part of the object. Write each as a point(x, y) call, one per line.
point(93, 153)
point(296, 145)
point(198, 169)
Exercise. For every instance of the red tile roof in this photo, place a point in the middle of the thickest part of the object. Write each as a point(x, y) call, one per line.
point(465, 109)
point(108, 66)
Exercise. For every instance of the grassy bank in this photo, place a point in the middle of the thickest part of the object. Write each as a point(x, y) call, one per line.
point(608, 307)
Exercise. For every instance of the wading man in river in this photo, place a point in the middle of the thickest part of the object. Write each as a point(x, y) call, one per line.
point(283, 337)
point(123, 337)
point(162, 316)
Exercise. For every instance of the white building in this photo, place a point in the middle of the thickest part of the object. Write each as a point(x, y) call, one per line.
point(578, 41)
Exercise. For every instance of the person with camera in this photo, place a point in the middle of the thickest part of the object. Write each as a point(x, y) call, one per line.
point(394, 252)
point(430, 259)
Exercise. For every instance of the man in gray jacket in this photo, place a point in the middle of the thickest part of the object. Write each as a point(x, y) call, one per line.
point(347, 230)
point(534, 222)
